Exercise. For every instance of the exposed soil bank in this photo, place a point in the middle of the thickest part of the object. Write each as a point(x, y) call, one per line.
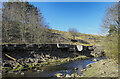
point(102, 68)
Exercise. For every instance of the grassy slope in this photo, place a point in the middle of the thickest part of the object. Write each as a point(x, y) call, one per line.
point(103, 68)
point(90, 38)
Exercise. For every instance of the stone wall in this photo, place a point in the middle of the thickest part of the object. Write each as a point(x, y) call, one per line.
point(58, 50)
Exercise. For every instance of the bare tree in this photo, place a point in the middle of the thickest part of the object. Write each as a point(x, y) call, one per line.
point(73, 32)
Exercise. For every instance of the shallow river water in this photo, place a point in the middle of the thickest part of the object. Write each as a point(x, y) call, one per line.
point(67, 68)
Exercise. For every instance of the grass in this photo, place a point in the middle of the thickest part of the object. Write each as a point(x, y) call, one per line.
point(19, 68)
point(109, 69)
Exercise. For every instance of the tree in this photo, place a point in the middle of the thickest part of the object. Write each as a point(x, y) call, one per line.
point(73, 32)
point(111, 26)
point(23, 23)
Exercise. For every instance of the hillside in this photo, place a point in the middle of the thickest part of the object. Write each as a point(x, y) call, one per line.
point(81, 38)
point(56, 36)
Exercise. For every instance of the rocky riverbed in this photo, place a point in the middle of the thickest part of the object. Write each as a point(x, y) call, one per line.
point(34, 62)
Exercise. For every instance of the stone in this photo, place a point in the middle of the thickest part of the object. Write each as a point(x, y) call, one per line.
point(33, 67)
point(75, 75)
point(25, 69)
point(42, 70)
point(10, 72)
point(88, 66)
point(59, 75)
point(103, 73)
point(22, 73)
point(31, 60)
point(35, 63)
point(25, 66)
point(39, 61)
point(16, 73)
point(94, 60)
point(82, 70)
point(76, 68)
point(48, 56)
point(7, 65)
point(103, 63)
point(38, 70)
point(67, 75)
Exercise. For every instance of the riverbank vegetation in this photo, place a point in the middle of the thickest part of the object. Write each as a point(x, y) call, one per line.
point(110, 44)
point(111, 26)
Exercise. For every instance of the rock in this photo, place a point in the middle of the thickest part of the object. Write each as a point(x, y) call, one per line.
point(75, 75)
point(48, 56)
point(14, 67)
point(76, 68)
point(94, 60)
point(67, 75)
point(16, 73)
point(35, 63)
point(39, 61)
point(22, 73)
point(43, 59)
point(25, 69)
point(103, 63)
point(31, 60)
point(10, 72)
point(25, 66)
point(33, 67)
point(88, 66)
point(42, 70)
point(59, 75)
point(82, 70)
point(97, 51)
point(7, 65)
point(103, 73)
point(6, 71)
point(38, 70)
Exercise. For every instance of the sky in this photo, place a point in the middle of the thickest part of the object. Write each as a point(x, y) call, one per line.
point(86, 17)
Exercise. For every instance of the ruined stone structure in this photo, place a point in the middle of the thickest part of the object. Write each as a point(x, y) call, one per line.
point(41, 47)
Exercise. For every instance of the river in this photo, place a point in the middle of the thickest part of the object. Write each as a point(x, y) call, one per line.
point(67, 68)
